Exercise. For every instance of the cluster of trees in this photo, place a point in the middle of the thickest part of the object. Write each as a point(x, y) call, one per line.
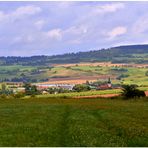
point(122, 76)
point(4, 90)
point(57, 90)
point(24, 79)
point(23, 75)
point(31, 89)
point(81, 87)
point(96, 83)
point(146, 73)
point(119, 69)
point(131, 91)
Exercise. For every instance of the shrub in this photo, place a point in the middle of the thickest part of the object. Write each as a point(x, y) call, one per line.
point(131, 91)
point(81, 87)
point(122, 76)
point(30, 89)
point(146, 73)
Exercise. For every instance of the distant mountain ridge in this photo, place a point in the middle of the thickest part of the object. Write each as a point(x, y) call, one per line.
point(119, 54)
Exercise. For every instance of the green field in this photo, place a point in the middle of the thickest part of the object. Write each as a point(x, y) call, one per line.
point(22, 72)
point(77, 94)
point(73, 122)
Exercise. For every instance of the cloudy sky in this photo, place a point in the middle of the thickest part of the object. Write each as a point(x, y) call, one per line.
point(48, 28)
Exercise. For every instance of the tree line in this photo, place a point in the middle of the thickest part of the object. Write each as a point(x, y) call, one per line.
point(120, 54)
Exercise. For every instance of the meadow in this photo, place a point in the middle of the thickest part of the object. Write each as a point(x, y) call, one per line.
point(78, 94)
point(73, 122)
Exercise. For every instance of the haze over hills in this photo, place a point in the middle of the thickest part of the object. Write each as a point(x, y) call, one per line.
point(120, 54)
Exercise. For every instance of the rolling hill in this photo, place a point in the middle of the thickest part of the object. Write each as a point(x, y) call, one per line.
point(120, 54)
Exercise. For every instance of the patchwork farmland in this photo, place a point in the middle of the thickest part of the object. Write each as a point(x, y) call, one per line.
point(82, 72)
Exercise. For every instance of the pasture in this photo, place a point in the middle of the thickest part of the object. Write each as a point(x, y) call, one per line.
point(73, 122)
point(79, 94)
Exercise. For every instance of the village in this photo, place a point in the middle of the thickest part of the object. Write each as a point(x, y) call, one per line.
point(20, 87)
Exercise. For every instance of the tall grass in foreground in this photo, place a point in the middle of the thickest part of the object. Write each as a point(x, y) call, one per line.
point(73, 122)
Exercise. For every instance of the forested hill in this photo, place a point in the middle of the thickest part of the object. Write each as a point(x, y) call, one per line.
point(120, 54)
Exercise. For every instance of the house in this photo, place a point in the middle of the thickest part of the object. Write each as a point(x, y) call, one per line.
point(107, 85)
point(103, 86)
point(45, 92)
point(66, 86)
point(18, 89)
point(46, 86)
point(92, 87)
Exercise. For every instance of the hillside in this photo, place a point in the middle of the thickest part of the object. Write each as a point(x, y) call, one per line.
point(120, 54)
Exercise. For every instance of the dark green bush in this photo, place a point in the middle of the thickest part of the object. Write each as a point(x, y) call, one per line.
point(81, 87)
point(131, 91)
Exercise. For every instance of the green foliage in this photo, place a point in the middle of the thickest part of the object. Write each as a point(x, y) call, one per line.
point(53, 90)
point(4, 90)
point(131, 91)
point(119, 69)
point(3, 86)
point(81, 87)
point(30, 89)
point(122, 76)
point(146, 73)
point(97, 83)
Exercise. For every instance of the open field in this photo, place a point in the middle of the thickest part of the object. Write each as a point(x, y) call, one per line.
point(76, 80)
point(86, 94)
point(79, 94)
point(17, 73)
point(73, 122)
point(108, 64)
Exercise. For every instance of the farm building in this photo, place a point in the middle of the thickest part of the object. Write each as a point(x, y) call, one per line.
point(46, 86)
point(107, 85)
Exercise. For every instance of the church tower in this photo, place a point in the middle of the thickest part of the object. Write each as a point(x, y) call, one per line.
point(109, 83)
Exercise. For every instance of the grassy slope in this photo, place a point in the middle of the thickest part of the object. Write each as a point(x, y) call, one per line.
point(73, 122)
point(10, 72)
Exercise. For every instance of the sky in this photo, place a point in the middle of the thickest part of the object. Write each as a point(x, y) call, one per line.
point(50, 28)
